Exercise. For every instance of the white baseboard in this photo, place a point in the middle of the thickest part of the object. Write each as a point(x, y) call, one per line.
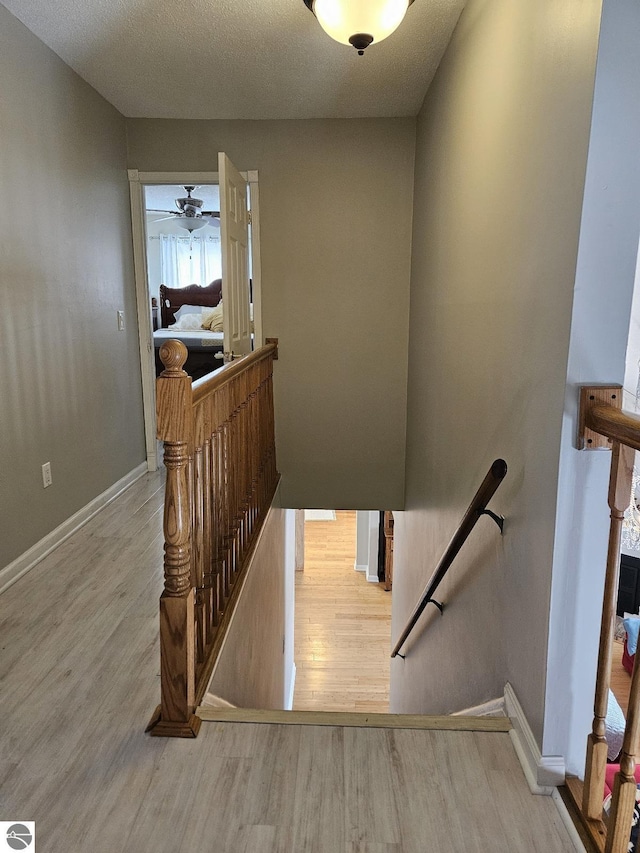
point(543, 772)
point(360, 567)
point(25, 562)
point(492, 708)
point(292, 688)
point(210, 700)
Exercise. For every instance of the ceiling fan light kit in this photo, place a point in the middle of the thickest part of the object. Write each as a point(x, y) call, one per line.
point(359, 22)
point(190, 215)
point(191, 223)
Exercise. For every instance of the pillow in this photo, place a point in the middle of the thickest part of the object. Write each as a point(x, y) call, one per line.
point(632, 627)
point(212, 320)
point(614, 725)
point(188, 323)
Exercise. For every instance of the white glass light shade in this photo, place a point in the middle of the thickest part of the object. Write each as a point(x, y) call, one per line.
point(343, 19)
point(191, 223)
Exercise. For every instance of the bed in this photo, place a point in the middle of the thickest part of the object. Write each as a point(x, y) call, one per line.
point(178, 321)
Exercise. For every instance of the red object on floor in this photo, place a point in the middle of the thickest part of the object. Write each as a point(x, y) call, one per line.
point(627, 659)
point(609, 776)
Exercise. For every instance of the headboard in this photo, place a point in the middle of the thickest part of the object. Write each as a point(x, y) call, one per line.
point(173, 298)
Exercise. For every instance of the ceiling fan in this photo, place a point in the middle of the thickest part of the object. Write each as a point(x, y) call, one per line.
point(189, 214)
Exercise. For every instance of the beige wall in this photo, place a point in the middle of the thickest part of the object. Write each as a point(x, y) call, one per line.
point(335, 229)
point(69, 381)
point(500, 166)
point(250, 671)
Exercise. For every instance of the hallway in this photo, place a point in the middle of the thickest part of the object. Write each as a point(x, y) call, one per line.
point(342, 625)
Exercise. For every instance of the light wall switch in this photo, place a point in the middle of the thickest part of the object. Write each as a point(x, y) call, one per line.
point(121, 321)
point(47, 480)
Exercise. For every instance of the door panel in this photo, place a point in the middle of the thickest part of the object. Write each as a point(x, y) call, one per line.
point(234, 240)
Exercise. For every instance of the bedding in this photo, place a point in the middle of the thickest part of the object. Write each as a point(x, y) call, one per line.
point(609, 781)
point(213, 320)
point(631, 625)
point(188, 323)
point(190, 337)
point(193, 304)
point(614, 725)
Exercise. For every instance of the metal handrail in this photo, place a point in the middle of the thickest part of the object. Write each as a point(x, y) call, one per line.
point(477, 507)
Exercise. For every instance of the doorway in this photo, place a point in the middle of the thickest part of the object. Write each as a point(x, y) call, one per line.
point(159, 186)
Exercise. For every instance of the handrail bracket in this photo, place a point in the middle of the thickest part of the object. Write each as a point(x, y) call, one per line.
point(499, 519)
point(437, 604)
point(592, 396)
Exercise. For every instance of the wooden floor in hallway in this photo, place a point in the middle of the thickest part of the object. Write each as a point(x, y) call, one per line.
point(79, 665)
point(342, 625)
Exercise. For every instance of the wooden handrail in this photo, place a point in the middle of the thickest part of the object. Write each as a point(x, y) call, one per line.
point(477, 507)
point(213, 381)
point(219, 451)
point(615, 424)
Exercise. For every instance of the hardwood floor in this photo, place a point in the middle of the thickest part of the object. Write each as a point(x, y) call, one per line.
point(79, 664)
point(342, 625)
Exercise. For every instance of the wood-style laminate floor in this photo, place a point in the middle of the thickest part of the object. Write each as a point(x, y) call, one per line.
point(342, 625)
point(79, 667)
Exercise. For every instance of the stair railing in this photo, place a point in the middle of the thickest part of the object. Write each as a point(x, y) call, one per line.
point(477, 508)
point(219, 452)
point(602, 424)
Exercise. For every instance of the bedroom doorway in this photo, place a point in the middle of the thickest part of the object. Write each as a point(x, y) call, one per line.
point(158, 201)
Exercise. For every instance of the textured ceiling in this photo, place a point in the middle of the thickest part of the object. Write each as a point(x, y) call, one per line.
point(252, 59)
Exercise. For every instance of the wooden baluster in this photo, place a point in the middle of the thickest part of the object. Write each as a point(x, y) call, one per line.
point(270, 430)
point(208, 544)
point(234, 481)
point(243, 465)
point(624, 787)
point(198, 532)
point(226, 500)
point(177, 659)
point(254, 445)
point(619, 495)
point(217, 513)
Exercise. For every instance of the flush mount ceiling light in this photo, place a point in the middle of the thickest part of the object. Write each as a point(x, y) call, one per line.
point(359, 22)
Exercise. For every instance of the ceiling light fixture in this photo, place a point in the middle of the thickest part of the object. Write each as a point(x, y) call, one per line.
point(359, 22)
point(192, 222)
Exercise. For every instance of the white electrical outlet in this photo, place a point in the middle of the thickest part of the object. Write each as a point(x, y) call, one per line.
point(47, 480)
point(121, 321)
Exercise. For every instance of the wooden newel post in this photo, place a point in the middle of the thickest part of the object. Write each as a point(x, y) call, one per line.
point(175, 715)
point(619, 495)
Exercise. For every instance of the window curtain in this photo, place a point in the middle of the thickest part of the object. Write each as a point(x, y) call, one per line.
point(190, 259)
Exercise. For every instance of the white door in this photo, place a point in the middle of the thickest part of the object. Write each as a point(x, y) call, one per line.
point(234, 241)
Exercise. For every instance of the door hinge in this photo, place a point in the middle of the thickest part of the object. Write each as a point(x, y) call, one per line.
point(249, 220)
